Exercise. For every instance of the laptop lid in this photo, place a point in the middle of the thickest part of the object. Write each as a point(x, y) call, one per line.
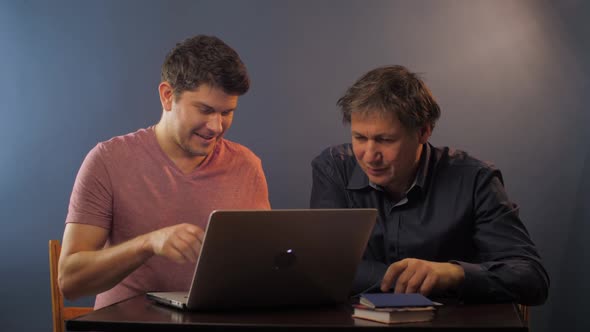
point(270, 258)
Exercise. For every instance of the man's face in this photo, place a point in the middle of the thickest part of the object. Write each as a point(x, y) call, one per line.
point(199, 118)
point(385, 150)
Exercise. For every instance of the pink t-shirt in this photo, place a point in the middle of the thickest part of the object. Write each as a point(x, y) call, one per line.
point(129, 186)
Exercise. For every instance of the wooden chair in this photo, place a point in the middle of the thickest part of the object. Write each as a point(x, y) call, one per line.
point(60, 312)
point(524, 312)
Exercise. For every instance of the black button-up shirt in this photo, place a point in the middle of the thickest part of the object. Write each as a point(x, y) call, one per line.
point(455, 211)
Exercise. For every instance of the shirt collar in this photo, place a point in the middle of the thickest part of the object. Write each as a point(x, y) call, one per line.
point(424, 165)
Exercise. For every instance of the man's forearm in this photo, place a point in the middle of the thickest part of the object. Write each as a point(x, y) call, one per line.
point(92, 272)
point(511, 280)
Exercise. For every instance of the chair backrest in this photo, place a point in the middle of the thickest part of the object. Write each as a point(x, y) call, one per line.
point(524, 312)
point(60, 313)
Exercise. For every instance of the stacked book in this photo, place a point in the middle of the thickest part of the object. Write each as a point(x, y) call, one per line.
point(394, 308)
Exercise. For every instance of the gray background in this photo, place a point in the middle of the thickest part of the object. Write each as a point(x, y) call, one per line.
point(511, 77)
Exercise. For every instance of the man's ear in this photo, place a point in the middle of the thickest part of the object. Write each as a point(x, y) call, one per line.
point(166, 95)
point(424, 133)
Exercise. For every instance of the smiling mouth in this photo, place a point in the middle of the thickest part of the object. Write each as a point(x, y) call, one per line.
point(375, 170)
point(207, 138)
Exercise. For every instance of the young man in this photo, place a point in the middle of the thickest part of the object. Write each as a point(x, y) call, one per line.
point(445, 225)
point(141, 201)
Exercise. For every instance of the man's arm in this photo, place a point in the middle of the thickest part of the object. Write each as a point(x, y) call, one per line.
point(85, 268)
point(510, 268)
point(413, 275)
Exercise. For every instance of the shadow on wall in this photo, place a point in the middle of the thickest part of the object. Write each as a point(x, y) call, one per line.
point(573, 290)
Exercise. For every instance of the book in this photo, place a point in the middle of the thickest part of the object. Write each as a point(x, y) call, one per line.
point(391, 308)
point(394, 300)
point(394, 315)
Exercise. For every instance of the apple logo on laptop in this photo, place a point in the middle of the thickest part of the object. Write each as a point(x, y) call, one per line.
point(284, 260)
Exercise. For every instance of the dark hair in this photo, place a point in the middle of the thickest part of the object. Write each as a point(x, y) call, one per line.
point(205, 60)
point(392, 89)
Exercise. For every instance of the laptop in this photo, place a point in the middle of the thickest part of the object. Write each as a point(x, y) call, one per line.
point(274, 258)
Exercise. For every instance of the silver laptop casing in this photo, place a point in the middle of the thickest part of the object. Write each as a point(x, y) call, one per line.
point(271, 258)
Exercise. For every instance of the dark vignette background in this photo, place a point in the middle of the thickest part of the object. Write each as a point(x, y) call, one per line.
point(511, 77)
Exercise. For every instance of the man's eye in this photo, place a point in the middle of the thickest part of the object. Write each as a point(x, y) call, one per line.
point(226, 113)
point(360, 138)
point(385, 140)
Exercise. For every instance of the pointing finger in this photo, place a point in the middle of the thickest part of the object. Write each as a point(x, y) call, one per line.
point(392, 274)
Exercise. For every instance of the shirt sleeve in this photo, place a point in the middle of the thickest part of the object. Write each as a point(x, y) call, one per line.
point(91, 199)
point(328, 191)
point(511, 268)
point(261, 189)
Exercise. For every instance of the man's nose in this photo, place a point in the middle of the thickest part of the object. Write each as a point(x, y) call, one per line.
point(372, 153)
point(215, 123)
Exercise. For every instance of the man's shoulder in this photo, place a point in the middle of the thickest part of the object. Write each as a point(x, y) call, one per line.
point(340, 154)
point(238, 150)
point(123, 145)
point(138, 136)
point(457, 159)
point(336, 161)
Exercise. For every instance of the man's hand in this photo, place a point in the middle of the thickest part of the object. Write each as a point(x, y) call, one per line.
point(87, 268)
point(180, 243)
point(420, 276)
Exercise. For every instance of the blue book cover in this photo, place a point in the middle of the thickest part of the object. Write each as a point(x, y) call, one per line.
point(383, 300)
